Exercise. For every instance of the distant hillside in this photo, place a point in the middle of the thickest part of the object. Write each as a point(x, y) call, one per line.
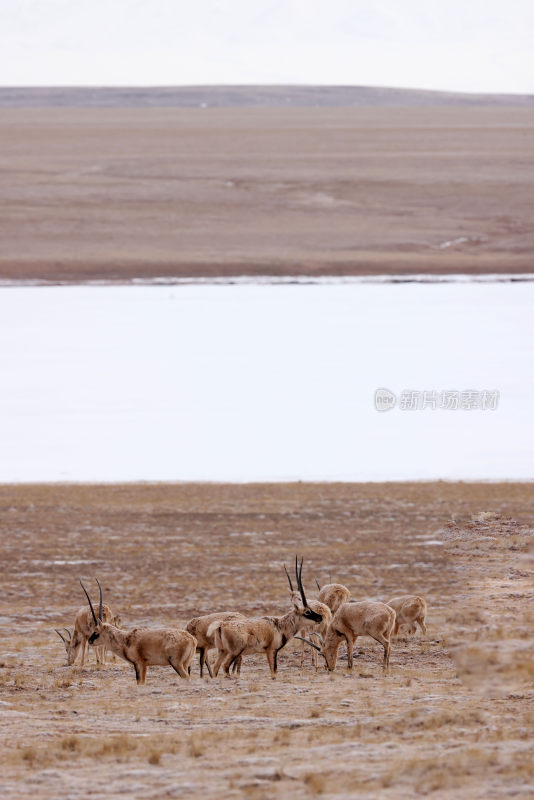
point(243, 96)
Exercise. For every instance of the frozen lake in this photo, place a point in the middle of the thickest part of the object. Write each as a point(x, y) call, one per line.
point(266, 382)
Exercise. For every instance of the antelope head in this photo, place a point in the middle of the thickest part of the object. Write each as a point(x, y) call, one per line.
point(98, 623)
point(328, 648)
point(298, 598)
point(72, 643)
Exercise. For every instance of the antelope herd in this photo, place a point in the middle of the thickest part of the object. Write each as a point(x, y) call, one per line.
point(331, 619)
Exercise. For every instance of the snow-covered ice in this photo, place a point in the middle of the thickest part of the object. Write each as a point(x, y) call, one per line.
point(257, 382)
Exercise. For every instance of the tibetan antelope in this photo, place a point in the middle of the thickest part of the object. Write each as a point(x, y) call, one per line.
point(410, 609)
point(83, 628)
point(268, 635)
point(199, 626)
point(363, 618)
point(307, 625)
point(333, 595)
point(143, 647)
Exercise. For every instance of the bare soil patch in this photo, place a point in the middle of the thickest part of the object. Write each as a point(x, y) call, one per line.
point(454, 718)
point(122, 193)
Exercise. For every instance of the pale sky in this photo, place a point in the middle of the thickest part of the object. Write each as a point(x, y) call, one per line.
point(462, 45)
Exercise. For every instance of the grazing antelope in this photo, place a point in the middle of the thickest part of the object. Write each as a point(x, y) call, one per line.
point(143, 647)
point(235, 638)
point(410, 609)
point(364, 618)
point(199, 626)
point(333, 595)
point(83, 628)
point(314, 627)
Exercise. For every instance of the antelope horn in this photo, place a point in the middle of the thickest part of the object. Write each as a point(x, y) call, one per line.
point(302, 639)
point(318, 584)
point(90, 604)
point(301, 587)
point(100, 601)
point(289, 579)
point(61, 635)
point(69, 633)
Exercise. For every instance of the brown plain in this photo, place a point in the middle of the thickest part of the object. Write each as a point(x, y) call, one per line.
point(121, 193)
point(453, 719)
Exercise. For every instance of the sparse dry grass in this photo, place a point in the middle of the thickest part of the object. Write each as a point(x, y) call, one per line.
point(453, 715)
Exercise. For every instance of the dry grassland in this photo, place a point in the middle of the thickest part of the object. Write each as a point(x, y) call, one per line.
point(454, 718)
point(121, 193)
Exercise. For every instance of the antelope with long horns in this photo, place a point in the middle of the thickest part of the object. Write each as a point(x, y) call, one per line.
point(363, 618)
point(143, 647)
point(83, 628)
point(307, 625)
point(236, 638)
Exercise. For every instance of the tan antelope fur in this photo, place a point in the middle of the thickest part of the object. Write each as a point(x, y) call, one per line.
point(307, 625)
point(83, 628)
point(410, 609)
point(268, 635)
point(199, 626)
point(362, 618)
point(333, 595)
point(144, 647)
